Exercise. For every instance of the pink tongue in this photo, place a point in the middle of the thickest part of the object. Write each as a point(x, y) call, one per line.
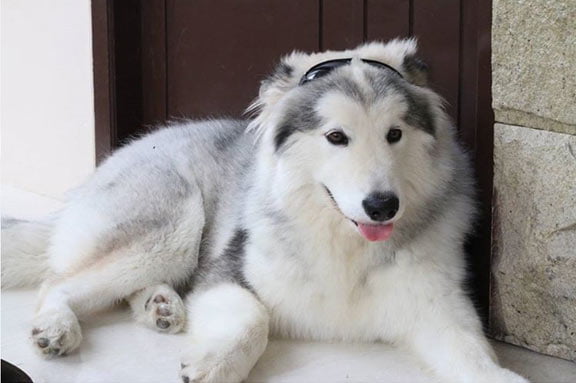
point(376, 232)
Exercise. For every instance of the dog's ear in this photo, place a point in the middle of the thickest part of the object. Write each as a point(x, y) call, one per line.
point(280, 78)
point(272, 89)
point(401, 54)
point(415, 70)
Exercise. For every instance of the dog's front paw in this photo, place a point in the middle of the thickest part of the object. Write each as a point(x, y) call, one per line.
point(202, 366)
point(56, 333)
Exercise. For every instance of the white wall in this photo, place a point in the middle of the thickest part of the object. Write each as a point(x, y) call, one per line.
point(47, 113)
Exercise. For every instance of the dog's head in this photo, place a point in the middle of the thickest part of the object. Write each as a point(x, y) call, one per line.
point(358, 127)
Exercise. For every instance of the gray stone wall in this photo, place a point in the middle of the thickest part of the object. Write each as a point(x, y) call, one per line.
point(533, 297)
point(534, 63)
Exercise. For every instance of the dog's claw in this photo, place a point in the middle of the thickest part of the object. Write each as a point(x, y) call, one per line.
point(43, 342)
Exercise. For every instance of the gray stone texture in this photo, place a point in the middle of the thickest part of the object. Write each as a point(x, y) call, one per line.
point(533, 297)
point(534, 63)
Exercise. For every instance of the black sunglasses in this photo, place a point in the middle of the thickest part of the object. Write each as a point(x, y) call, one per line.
point(326, 67)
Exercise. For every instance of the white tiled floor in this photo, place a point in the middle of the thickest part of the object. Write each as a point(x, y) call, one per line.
point(115, 349)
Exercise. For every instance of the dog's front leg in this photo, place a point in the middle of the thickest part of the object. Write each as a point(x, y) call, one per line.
point(228, 332)
point(448, 337)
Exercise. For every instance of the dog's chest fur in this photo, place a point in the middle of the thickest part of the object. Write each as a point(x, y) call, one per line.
point(321, 288)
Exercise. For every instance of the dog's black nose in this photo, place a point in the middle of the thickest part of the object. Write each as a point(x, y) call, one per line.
point(381, 206)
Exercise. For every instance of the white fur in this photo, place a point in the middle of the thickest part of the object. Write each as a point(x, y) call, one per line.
point(136, 229)
point(227, 336)
point(24, 256)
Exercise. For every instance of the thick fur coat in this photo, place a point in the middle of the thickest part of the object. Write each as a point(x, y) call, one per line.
point(338, 213)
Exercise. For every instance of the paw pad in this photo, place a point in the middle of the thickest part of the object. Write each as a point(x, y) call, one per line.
point(164, 311)
point(163, 324)
point(56, 333)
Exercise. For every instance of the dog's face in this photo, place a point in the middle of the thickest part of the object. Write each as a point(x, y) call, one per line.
point(363, 136)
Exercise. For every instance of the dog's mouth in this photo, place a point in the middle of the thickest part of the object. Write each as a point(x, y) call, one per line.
point(372, 232)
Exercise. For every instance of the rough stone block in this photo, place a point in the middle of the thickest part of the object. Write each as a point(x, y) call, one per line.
point(534, 240)
point(534, 63)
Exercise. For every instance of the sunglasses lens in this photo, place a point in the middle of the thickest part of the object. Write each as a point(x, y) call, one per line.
point(322, 69)
point(326, 67)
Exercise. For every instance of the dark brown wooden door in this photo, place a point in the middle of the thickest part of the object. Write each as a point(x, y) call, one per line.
point(156, 60)
point(217, 54)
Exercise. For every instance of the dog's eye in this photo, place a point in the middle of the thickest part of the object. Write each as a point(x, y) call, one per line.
point(394, 135)
point(337, 138)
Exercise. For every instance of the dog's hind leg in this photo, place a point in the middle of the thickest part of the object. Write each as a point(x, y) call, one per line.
point(131, 260)
point(159, 307)
point(56, 330)
point(228, 329)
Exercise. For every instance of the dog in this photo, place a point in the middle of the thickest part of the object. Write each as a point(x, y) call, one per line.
point(337, 213)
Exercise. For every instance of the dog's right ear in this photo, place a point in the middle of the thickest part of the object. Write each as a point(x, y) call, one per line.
point(280, 78)
point(272, 89)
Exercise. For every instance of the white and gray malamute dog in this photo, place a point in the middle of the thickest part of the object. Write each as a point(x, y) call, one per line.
point(338, 213)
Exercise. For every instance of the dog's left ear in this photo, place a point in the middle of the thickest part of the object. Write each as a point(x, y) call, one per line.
point(415, 70)
point(401, 54)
